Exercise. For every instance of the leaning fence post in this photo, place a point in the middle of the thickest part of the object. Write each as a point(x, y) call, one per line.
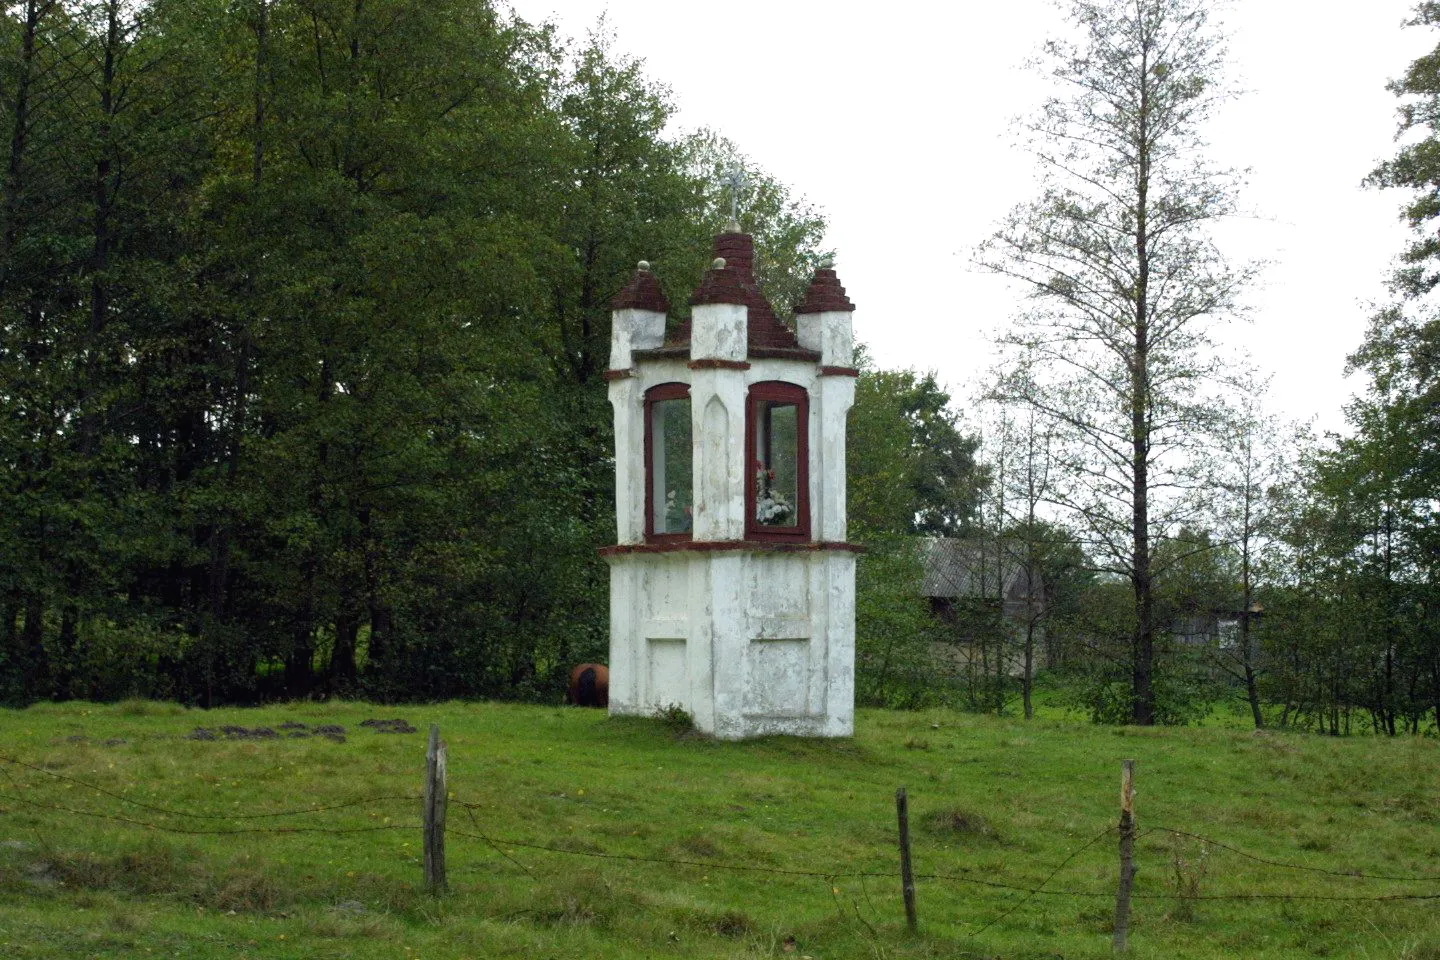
point(435, 798)
point(1127, 855)
point(907, 878)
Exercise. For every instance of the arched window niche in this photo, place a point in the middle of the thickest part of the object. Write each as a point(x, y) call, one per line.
point(777, 444)
point(669, 496)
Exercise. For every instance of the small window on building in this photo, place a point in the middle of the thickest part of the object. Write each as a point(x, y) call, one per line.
point(669, 504)
point(777, 439)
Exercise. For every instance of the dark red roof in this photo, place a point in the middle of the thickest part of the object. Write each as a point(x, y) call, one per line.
point(641, 293)
point(735, 283)
point(825, 294)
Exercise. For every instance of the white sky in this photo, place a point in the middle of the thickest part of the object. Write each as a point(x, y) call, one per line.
point(896, 120)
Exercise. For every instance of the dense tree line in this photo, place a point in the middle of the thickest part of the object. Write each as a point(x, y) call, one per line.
point(303, 322)
point(1218, 554)
point(303, 316)
point(1354, 642)
point(1114, 352)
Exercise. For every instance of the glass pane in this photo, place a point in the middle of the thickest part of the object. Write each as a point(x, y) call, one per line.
point(670, 473)
point(777, 459)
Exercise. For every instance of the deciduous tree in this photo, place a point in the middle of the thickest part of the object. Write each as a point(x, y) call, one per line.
point(1112, 349)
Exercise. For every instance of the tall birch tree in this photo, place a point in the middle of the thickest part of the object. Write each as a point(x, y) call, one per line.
point(1113, 349)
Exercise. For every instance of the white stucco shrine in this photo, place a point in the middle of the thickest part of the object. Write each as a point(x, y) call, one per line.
point(732, 585)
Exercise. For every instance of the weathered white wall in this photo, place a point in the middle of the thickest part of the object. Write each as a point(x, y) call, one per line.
point(750, 643)
point(830, 333)
point(717, 414)
point(717, 331)
point(633, 329)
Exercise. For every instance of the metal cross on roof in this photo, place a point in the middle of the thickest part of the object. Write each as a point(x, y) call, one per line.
point(735, 180)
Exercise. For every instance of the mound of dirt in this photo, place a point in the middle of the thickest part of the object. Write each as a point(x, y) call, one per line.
point(230, 732)
point(396, 725)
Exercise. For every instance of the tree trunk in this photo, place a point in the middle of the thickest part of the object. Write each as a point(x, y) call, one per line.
point(342, 656)
point(1027, 682)
point(66, 672)
point(35, 11)
point(101, 229)
point(1143, 646)
point(1252, 693)
point(299, 664)
point(12, 655)
point(262, 71)
point(219, 574)
point(1435, 683)
point(380, 616)
point(36, 668)
point(381, 632)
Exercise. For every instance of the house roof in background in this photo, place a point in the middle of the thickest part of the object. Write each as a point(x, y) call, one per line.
point(971, 568)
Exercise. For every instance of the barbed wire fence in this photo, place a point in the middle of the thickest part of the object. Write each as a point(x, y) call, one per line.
point(432, 823)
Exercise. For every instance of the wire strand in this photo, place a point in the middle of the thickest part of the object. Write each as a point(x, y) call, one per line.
point(1348, 874)
point(1063, 864)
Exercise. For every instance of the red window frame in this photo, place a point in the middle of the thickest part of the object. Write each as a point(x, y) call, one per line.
point(656, 394)
point(780, 392)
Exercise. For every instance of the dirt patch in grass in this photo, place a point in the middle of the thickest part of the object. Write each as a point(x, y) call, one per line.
point(342, 926)
point(231, 732)
point(586, 898)
point(699, 845)
point(247, 891)
point(157, 869)
point(293, 730)
point(148, 708)
point(396, 725)
point(151, 869)
point(730, 924)
point(577, 845)
point(1416, 806)
point(1428, 949)
point(958, 822)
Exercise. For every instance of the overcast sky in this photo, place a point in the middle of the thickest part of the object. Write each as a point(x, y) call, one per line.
point(896, 119)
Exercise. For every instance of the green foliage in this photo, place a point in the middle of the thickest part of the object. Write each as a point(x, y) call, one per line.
point(303, 315)
point(1416, 166)
point(912, 468)
point(675, 718)
point(1096, 678)
point(1356, 632)
point(895, 663)
point(912, 471)
point(1355, 637)
point(1113, 354)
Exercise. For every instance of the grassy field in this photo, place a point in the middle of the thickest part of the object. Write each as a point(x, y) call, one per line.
point(995, 800)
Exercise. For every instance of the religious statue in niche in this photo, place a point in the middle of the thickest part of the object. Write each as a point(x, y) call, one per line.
point(771, 505)
point(679, 514)
point(777, 456)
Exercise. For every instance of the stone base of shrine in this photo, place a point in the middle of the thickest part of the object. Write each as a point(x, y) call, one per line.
point(750, 639)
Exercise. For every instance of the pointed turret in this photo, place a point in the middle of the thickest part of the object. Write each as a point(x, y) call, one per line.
point(731, 279)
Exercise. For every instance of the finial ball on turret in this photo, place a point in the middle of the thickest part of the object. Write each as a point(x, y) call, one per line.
point(643, 265)
point(718, 263)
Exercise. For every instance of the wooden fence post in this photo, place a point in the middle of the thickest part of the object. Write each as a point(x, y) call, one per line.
point(907, 877)
point(1127, 855)
point(435, 800)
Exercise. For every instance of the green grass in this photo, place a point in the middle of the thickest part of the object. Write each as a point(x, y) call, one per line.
point(1000, 800)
